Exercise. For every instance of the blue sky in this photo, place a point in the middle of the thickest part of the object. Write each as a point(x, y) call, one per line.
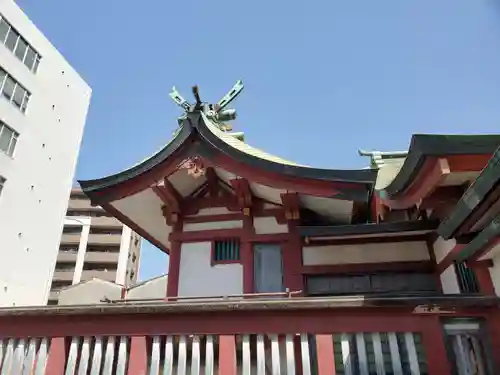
point(322, 79)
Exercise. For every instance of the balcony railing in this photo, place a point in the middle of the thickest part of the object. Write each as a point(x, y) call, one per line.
point(303, 336)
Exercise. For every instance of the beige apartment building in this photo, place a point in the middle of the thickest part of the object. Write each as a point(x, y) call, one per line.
point(94, 245)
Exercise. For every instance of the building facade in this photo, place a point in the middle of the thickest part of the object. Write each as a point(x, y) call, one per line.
point(285, 269)
point(43, 108)
point(94, 245)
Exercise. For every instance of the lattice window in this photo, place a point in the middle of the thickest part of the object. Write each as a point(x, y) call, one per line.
point(226, 251)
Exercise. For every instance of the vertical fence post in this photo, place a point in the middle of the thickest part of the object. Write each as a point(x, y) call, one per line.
point(325, 354)
point(138, 360)
point(57, 357)
point(434, 346)
point(227, 355)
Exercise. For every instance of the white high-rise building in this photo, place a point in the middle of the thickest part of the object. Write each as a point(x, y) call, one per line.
point(43, 107)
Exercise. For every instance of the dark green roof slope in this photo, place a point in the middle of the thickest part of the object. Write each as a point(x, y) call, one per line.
point(211, 142)
point(473, 197)
point(434, 145)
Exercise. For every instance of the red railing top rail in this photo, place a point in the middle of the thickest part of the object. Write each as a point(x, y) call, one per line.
point(202, 305)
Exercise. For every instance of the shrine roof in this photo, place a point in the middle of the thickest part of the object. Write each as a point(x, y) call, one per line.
point(423, 146)
point(213, 139)
point(480, 202)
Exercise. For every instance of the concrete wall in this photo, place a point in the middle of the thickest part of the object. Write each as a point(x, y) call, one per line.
point(40, 173)
point(89, 292)
point(365, 253)
point(197, 277)
point(153, 288)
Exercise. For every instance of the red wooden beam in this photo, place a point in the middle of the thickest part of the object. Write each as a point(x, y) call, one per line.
point(230, 322)
point(212, 182)
point(291, 204)
point(483, 276)
point(168, 194)
point(432, 173)
point(243, 194)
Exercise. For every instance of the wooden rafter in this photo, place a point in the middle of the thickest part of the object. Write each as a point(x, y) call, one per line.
point(171, 198)
point(243, 193)
point(291, 204)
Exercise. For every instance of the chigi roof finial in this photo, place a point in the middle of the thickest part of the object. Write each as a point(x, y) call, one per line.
point(216, 112)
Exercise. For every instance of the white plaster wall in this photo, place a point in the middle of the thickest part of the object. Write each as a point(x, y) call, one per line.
point(145, 207)
point(442, 247)
point(40, 173)
point(449, 281)
point(213, 211)
point(197, 277)
point(495, 273)
point(89, 292)
point(365, 253)
point(268, 225)
point(230, 224)
point(153, 288)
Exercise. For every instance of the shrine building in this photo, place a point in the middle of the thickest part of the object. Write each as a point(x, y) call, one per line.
point(285, 269)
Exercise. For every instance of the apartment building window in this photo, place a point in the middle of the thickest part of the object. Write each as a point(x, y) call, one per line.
point(18, 45)
point(70, 229)
point(93, 266)
point(13, 91)
point(3, 180)
point(106, 230)
point(103, 249)
point(91, 213)
point(8, 139)
point(65, 266)
point(68, 249)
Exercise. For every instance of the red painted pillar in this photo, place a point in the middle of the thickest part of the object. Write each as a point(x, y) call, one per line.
point(434, 346)
point(56, 360)
point(325, 354)
point(174, 261)
point(292, 259)
point(174, 265)
point(138, 360)
point(493, 328)
point(227, 355)
point(247, 262)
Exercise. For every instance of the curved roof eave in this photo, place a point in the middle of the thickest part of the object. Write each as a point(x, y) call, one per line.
point(89, 186)
point(472, 198)
point(436, 145)
point(234, 148)
point(248, 155)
